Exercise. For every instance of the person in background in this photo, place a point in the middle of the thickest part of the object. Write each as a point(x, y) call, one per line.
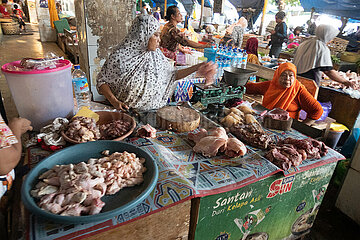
point(208, 37)
point(19, 15)
point(286, 92)
point(138, 75)
point(4, 10)
point(157, 14)
point(10, 149)
point(311, 27)
point(172, 39)
point(235, 32)
point(278, 35)
point(252, 50)
point(294, 38)
point(313, 57)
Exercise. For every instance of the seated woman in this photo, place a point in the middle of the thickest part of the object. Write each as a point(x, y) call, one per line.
point(251, 49)
point(137, 74)
point(295, 38)
point(286, 92)
point(171, 37)
point(10, 149)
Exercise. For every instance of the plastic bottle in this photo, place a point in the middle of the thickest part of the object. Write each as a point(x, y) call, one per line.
point(239, 58)
point(244, 60)
point(234, 58)
point(81, 87)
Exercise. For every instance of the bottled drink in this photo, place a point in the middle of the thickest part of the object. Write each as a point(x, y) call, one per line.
point(239, 58)
point(234, 58)
point(244, 60)
point(81, 87)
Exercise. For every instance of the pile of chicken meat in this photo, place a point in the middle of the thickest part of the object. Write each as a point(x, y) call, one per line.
point(76, 189)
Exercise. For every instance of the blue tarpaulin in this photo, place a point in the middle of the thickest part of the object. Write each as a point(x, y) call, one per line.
point(343, 8)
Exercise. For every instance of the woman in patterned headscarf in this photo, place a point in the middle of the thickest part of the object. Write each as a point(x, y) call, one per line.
point(137, 74)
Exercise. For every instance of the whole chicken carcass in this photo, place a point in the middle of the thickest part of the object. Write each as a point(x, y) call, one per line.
point(195, 137)
point(235, 148)
point(210, 145)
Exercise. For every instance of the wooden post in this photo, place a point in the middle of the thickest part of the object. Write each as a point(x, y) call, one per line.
point(263, 17)
point(140, 5)
point(202, 12)
point(165, 7)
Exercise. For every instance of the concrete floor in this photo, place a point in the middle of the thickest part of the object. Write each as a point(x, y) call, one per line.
point(16, 47)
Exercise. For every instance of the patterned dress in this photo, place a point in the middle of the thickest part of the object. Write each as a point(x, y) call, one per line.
point(7, 139)
point(170, 37)
point(138, 77)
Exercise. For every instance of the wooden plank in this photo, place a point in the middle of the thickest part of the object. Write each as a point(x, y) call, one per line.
point(268, 73)
point(171, 223)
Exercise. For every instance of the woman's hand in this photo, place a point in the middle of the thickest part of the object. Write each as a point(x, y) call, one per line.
point(350, 84)
point(21, 125)
point(207, 70)
point(119, 105)
point(208, 45)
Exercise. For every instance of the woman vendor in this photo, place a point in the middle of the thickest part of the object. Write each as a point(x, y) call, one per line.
point(137, 74)
point(10, 149)
point(171, 37)
point(286, 92)
point(294, 38)
point(252, 50)
point(313, 57)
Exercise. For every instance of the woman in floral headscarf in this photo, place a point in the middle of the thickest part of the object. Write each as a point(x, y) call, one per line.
point(286, 92)
point(137, 74)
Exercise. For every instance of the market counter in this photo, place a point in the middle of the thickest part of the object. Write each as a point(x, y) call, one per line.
point(345, 109)
point(215, 183)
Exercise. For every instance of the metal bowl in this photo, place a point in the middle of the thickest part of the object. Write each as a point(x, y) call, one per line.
point(237, 76)
point(123, 200)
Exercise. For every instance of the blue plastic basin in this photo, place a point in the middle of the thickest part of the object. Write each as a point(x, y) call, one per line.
point(123, 200)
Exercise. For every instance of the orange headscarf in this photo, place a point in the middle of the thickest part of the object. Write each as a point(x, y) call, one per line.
point(277, 95)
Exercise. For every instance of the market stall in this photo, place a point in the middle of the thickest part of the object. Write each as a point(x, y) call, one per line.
point(186, 175)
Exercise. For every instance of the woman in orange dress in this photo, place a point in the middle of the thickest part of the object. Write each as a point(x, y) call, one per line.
point(286, 92)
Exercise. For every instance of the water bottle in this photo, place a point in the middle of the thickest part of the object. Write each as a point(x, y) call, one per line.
point(244, 60)
point(234, 58)
point(81, 87)
point(239, 58)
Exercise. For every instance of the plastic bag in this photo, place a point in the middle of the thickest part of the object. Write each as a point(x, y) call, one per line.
point(327, 106)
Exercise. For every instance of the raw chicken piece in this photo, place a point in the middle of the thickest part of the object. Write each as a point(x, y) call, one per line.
point(96, 206)
point(55, 181)
point(146, 131)
point(74, 210)
point(235, 148)
point(218, 132)
point(195, 137)
point(47, 190)
point(210, 145)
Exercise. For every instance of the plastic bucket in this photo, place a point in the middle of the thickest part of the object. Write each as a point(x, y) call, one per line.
point(210, 54)
point(332, 138)
point(41, 95)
